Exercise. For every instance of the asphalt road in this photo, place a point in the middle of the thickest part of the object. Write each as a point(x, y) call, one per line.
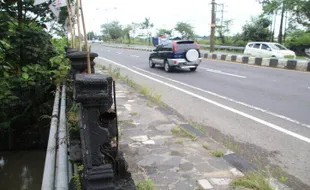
point(266, 111)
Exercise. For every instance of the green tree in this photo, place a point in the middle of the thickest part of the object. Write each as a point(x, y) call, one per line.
point(147, 25)
point(298, 41)
point(164, 32)
point(271, 8)
point(126, 32)
point(256, 30)
point(224, 30)
point(185, 29)
point(135, 27)
point(300, 10)
point(91, 35)
point(113, 29)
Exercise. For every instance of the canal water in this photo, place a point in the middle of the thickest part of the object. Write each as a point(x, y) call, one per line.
point(21, 170)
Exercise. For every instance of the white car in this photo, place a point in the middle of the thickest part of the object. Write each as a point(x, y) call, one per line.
point(268, 49)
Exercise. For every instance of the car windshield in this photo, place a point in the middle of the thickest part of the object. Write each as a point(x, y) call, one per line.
point(277, 47)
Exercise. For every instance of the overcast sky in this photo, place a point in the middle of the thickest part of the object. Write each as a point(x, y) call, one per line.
point(166, 13)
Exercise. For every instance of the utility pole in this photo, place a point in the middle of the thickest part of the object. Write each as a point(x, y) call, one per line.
point(212, 35)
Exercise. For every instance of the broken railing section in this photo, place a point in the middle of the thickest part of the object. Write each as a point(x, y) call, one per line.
point(95, 95)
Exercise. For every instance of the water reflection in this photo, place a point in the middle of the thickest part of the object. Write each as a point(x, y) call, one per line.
point(21, 170)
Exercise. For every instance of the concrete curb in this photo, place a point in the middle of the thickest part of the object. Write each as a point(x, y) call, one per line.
point(290, 64)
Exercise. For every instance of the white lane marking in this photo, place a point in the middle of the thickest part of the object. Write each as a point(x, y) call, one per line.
point(119, 53)
point(261, 121)
point(221, 72)
point(134, 55)
point(309, 87)
point(229, 99)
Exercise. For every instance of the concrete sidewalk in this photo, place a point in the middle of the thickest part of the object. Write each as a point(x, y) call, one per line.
point(167, 151)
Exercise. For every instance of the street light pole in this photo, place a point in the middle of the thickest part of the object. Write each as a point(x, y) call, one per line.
point(212, 35)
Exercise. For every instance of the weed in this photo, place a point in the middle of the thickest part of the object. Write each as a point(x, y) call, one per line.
point(253, 180)
point(205, 146)
point(73, 119)
point(178, 142)
point(180, 132)
point(232, 146)
point(73, 108)
point(279, 174)
point(155, 98)
point(198, 127)
point(201, 129)
point(80, 168)
point(77, 182)
point(283, 179)
point(133, 114)
point(45, 117)
point(175, 131)
point(144, 91)
point(145, 185)
point(149, 104)
point(217, 153)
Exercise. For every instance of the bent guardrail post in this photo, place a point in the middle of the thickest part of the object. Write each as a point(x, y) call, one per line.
point(98, 129)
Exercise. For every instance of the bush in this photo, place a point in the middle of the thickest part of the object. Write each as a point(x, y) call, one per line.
point(298, 41)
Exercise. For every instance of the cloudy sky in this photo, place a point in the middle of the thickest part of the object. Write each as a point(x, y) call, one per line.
point(166, 13)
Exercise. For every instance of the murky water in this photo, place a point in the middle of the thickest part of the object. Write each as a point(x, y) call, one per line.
point(21, 170)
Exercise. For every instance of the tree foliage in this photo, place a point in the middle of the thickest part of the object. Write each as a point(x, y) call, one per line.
point(224, 30)
point(185, 29)
point(298, 41)
point(29, 66)
point(164, 32)
point(256, 30)
point(126, 32)
point(112, 29)
point(147, 25)
point(91, 35)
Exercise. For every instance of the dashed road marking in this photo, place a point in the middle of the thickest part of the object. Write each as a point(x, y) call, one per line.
point(134, 55)
point(222, 73)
